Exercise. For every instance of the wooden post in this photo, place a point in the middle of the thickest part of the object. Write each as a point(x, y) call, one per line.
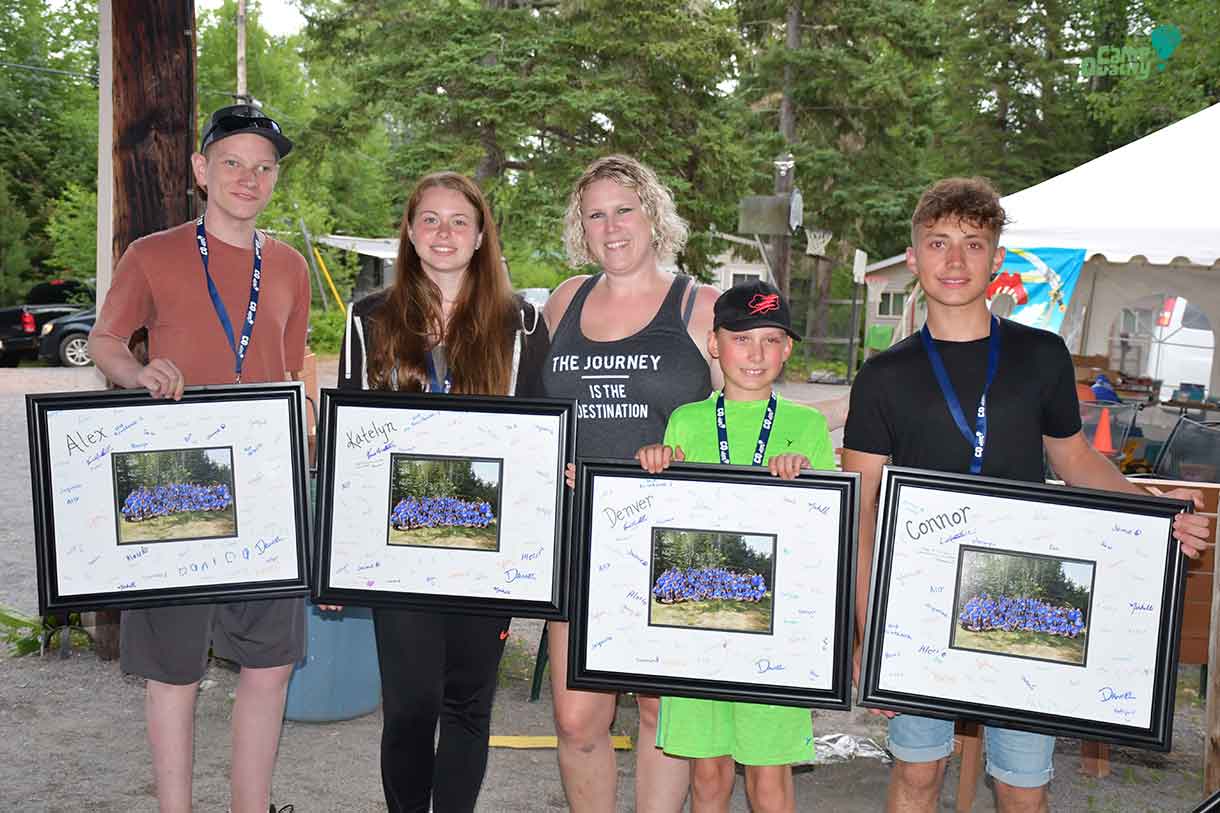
point(1211, 746)
point(242, 95)
point(147, 134)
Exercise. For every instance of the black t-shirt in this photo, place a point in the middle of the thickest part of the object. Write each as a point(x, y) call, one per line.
point(897, 408)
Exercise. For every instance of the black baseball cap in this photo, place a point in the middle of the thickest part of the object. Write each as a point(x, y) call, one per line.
point(752, 304)
point(244, 118)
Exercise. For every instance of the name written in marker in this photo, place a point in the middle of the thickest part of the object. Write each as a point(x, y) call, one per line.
point(79, 442)
point(627, 512)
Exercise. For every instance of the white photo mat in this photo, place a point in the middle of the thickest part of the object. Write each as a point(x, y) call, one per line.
point(255, 436)
point(367, 439)
point(796, 654)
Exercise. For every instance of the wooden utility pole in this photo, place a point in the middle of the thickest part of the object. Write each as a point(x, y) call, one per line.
point(781, 244)
point(785, 169)
point(147, 93)
point(243, 97)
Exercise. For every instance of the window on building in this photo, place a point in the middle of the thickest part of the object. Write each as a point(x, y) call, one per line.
point(740, 278)
point(891, 303)
point(1138, 321)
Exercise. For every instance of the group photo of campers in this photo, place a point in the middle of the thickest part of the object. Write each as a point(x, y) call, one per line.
point(174, 495)
point(1024, 605)
point(712, 580)
point(444, 502)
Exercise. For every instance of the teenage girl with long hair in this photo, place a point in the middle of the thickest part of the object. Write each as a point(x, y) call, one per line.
point(448, 323)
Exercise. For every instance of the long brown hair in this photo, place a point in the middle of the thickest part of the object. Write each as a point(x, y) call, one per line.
point(482, 325)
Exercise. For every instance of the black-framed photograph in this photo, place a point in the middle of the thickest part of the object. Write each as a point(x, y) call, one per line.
point(1025, 605)
point(443, 502)
point(140, 502)
point(713, 581)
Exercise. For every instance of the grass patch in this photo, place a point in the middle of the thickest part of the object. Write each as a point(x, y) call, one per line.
point(182, 525)
point(1024, 642)
point(719, 614)
point(451, 536)
point(517, 664)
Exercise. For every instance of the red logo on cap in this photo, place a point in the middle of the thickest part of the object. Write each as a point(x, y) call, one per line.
point(763, 303)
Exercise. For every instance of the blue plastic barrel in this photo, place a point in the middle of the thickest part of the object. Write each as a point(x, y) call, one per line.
point(338, 679)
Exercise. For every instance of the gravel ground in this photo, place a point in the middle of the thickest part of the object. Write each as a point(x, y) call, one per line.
point(74, 738)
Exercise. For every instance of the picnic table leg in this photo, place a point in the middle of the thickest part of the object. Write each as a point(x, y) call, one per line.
point(1094, 758)
point(539, 667)
point(970, 740)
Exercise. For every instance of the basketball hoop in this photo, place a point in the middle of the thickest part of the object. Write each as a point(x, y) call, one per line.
point(816, 241)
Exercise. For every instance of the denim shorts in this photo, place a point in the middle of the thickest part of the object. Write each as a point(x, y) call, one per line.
point(1017, 758)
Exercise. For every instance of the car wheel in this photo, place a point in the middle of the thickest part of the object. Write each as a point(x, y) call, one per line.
point(74, 350)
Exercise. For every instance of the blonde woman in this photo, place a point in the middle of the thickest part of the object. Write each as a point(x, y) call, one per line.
point(629, 344)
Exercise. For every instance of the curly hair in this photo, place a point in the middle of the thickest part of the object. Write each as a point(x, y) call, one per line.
point(974, 200)
point(669, 230)
point(478, 339)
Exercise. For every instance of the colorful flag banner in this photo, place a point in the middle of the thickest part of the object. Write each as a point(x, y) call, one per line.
point(1040, 282)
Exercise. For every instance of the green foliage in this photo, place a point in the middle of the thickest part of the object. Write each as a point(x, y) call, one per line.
point(73, 232)
point(522, 94)
point(15, 268)
point(523, 97)
point(326, 330)
point(27, 636)
point(698, 549)
point(132, 471)
point(1021, 576)
point(48, 124)
point(1190, 81)
point(441, 478)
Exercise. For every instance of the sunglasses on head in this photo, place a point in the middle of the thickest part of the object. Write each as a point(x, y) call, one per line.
point(236, 121)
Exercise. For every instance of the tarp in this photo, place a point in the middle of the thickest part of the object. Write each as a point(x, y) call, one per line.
point(1040, 282)
point(1156, 197)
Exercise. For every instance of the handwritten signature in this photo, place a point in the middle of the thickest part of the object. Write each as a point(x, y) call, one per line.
point(764, 665)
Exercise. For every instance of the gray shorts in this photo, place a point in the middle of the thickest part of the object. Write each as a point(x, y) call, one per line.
point(170, 644)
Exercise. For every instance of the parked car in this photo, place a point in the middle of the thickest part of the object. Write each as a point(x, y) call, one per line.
point(66, 340)
point(21, 325)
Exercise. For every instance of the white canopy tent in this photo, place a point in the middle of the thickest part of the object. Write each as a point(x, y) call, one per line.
point(1155, 198)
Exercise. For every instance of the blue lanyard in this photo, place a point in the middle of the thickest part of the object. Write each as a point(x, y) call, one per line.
point(434, 382)
point(239, 348)
point(978, 438)
point(764, 434)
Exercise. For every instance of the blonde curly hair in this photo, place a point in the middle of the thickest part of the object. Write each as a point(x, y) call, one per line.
point(669, 230)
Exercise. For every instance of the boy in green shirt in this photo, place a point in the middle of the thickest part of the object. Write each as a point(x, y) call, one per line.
point(746, 424)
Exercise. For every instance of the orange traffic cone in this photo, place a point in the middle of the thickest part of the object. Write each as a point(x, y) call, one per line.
point(1101, 438)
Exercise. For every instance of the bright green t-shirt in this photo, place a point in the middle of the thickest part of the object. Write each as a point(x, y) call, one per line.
point(751, 733)
point(797, 429)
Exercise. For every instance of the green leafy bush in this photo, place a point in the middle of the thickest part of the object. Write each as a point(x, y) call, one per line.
point(326, 330)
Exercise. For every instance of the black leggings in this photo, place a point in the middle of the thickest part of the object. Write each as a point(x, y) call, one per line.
point(436, 666)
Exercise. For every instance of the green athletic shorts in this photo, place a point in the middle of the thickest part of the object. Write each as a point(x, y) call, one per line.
point(751, 733)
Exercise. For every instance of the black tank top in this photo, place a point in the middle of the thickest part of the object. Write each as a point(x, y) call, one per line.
point(626, 389)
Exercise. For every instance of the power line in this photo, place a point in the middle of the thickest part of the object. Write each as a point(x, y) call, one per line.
point(92, 77)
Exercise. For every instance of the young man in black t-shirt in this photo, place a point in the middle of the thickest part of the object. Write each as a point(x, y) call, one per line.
point(899, 412)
